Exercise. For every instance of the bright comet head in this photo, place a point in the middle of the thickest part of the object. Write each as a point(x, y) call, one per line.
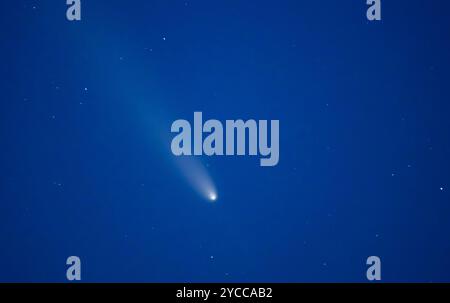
point(212, 197)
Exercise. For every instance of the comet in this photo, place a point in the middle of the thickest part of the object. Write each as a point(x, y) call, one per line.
point(212, 197)
point(197, 177)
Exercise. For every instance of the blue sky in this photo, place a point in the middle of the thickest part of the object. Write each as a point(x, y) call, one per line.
point(86, 167)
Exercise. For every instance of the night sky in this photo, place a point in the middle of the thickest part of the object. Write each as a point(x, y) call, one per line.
point(86, 168)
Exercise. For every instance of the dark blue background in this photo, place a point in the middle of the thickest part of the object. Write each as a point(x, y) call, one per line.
point(364, 117)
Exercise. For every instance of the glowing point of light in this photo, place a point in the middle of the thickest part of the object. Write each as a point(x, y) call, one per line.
point(212, 197)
